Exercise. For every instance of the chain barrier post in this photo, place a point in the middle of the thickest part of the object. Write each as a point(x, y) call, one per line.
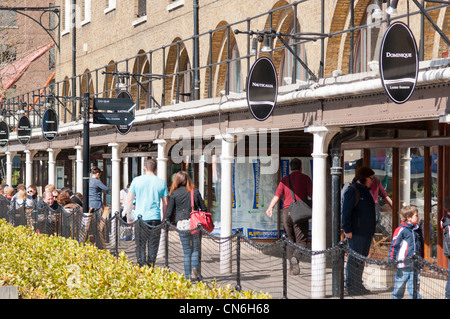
point(415, 276)
point(238, 260)
point(166, 243)
point(284, 248)
point(341, 269)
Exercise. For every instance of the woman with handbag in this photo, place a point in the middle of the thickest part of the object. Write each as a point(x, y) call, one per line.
point(180, 205)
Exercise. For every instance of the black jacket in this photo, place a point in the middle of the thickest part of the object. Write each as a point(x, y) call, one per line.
point(180, 204)
point(358, 211)
point(445, 225)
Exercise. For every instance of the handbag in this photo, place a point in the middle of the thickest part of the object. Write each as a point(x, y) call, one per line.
point(299, 210)
point(199, 217)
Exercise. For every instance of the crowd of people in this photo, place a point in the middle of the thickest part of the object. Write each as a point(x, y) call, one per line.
point(29, 197)
point(143, 197)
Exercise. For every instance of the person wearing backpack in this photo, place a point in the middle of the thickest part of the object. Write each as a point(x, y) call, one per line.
point(445, 225)
point(358, 223)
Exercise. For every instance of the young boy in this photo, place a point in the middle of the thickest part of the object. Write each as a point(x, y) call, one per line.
point(445, 225)
point(406, 241)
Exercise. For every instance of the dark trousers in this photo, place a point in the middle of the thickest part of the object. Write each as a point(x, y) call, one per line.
point(295, 232)
point(355, 266)
point(147, 237)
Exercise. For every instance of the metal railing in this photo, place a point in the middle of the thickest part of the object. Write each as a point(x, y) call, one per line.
point(261, 267)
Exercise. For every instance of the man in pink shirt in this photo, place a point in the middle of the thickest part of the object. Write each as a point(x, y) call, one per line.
point(295, 232)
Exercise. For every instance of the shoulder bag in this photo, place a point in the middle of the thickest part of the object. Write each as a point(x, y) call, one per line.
point(199, 217)
point(298, 210)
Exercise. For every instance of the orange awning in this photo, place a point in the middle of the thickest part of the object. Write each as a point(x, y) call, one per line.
point(13, 71)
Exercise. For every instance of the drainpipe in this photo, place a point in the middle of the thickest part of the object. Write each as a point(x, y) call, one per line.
point(336, 176)
point(196, 54)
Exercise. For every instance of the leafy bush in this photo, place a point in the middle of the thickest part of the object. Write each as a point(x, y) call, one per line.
point(45, 266)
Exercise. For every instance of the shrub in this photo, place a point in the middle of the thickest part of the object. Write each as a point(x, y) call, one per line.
point(45, 266)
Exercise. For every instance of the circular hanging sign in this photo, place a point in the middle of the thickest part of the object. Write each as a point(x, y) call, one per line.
point(399, 64)
point(50, 125)
point(124, 129)
point(4, 134)
point(24, 130)
point(262, 88)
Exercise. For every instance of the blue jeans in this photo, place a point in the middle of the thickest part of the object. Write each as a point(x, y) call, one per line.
point(404, 277)
point(190, 245)
point(147, 237)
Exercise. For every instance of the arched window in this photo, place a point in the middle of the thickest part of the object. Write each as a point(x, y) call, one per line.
point(367, 43)
point(291, 66)
point(235, 84)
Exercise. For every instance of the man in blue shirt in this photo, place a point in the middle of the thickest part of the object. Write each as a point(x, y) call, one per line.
point(149, 190)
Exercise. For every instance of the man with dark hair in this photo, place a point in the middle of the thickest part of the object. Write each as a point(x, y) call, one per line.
point(149, 190)
point(358, 223)
point(296, 232)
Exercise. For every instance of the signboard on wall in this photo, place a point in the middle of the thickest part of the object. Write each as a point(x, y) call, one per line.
point(124, 129)
point(399, 62)
point(262, 88)
point(4, 134)
point(24, 130)
point(50, 124)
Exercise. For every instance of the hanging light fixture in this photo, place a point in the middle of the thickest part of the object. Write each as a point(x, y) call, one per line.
point(266, 47)
point(392, 9)
point(377, 13)
point(254, 46)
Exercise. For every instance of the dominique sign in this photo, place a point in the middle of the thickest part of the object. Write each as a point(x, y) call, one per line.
point(399, 62)
point(24, 130)
point(262, 88)
point(50, 125)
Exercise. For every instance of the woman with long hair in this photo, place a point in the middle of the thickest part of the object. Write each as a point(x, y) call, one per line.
point(180, 205)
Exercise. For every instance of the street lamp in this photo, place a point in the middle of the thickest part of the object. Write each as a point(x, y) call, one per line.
point(392, 9)
point(377, 13)
point(266, 48)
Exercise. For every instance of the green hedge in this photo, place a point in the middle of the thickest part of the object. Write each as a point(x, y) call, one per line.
point(45, 266)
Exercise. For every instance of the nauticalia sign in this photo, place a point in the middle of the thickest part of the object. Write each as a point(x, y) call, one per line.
point(262, 88)
point(399, 62)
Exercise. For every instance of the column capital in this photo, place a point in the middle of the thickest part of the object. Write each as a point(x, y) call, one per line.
point(322, 138)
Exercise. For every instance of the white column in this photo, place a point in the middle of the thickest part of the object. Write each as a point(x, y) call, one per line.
point(322, 137)
point(201, 175)
point(161, 159)
point(52, 154)
point(161, 172)
point(405, 177)
point(226, 159)
point(79, 169)
point(9, 162)
point(116, 149)
point(29, 167)
point(125, 177)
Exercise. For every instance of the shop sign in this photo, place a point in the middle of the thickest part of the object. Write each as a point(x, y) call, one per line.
point(4, 134)
point(124, 129)
point(50, 125)
point(399, 62)
point(262, 88)
point(24, 130)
